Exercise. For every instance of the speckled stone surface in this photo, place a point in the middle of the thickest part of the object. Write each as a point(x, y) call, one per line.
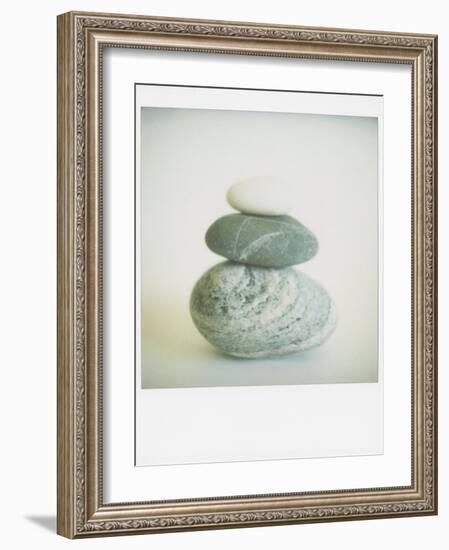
point(265, 241)
point(255, 312)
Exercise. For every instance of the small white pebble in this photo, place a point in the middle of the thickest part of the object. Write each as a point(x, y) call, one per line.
point(261, 196)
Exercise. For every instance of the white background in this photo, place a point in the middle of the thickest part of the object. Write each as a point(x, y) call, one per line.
point(28, 208)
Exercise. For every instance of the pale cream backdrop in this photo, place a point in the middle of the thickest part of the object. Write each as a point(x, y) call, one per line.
point(28, 275)
point(189, 158)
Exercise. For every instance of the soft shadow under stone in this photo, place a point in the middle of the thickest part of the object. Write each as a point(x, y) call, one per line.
point(175, 355)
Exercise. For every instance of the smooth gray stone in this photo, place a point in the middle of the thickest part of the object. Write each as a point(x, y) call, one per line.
point(265, 241)
point(249, 311)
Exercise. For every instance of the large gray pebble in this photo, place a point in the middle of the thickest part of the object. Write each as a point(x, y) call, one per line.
point(249, 311)
point(265, 241)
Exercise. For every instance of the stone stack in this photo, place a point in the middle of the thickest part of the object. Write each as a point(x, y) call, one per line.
point(256, 304)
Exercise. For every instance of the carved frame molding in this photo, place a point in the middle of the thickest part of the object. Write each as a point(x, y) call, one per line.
point(81, 39)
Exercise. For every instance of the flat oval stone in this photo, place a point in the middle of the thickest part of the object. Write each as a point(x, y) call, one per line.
point(262, 196)
point(265, 241)
point(253, 312)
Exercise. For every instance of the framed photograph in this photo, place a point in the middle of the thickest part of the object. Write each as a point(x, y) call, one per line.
point(247, 283)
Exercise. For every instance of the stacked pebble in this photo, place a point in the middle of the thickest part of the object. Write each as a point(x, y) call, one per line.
point(256, 304)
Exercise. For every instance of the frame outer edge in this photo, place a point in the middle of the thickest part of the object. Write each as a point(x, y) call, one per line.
point(126, 17)
point(77, 279)
point(66, 428)
point(435, 270)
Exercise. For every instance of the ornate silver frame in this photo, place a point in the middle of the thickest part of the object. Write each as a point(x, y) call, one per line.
point(81, 38)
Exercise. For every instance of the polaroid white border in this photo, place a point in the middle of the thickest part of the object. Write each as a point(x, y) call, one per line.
point(220, 434)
